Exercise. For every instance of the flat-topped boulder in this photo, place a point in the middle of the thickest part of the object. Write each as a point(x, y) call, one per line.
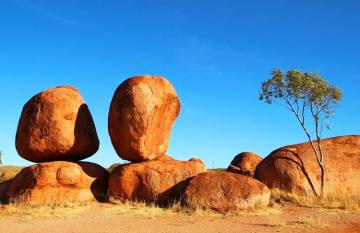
point(142, 112)
point(57, 182)
point(244, 163)
point(56, 124)
point(225, 191)
point(161, 180)
point(284, 168)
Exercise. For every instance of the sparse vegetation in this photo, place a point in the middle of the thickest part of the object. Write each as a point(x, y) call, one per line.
point(30, 212)
point(330, 201)
point(304, 94)
point(153, 210)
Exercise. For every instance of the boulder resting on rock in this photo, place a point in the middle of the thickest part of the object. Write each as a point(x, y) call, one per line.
point(141, 115)
point(56, 124)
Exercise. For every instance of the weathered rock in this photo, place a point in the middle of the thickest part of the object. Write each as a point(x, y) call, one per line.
point(283, 168)
point(225, 191)
point(244, 163)
point(56, 124)
point(161, 180)
point(141, 116)
point(57, 182)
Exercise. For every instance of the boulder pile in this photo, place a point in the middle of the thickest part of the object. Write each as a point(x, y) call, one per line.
point(56, 130)
point(142, 113)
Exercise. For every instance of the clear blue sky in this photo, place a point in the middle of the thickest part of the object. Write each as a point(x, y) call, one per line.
point(216, 53)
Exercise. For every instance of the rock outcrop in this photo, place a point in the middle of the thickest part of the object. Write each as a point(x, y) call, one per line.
point(161, 180)
point(284, 168)
point(56, 124)
point(225, 191)
point(244, 163)
point(142, 112)
point(57, 182)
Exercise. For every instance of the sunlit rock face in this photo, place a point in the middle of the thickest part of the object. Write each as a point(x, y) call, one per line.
point(142, 113)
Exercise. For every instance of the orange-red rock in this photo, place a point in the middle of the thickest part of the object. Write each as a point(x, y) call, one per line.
point(56, 124)
point(283, 168)
point(244, 163)
point(57, 182)
point(160, 180)
point(142, 112)
point(225, 191)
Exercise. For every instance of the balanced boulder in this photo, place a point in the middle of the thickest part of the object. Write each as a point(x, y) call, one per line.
point(225, 191)
point(56, 124)
point(161, 180)
point(57, 182)
point(285, 167)
point(244, 163)
point(142, 112)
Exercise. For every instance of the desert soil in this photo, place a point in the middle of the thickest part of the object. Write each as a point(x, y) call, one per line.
point(110, 218)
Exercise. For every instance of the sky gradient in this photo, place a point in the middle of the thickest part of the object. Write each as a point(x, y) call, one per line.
point(215, 53)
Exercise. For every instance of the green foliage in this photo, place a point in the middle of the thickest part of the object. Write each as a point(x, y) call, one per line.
point(299, 91)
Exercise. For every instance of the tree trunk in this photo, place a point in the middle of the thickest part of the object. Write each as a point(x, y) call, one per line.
point(322, 180)
point(317, 156)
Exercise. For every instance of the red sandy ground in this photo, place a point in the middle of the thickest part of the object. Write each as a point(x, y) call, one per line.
point(97, 219)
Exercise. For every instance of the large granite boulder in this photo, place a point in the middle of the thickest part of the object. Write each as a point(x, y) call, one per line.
point(284, 168)
point(56, 124)
point(225, 191)
point(141, 116)
point(244, 163)
point(161, 180)
point(57, 182)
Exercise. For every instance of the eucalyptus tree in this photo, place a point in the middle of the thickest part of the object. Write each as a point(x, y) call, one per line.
point(306, 95)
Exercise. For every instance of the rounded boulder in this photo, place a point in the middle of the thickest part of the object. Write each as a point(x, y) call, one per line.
point(57, 182)
point(142, 113)
point(56, 124)
point(294, 168)
point(225, 191)
point(244, 163)
point(161, 180)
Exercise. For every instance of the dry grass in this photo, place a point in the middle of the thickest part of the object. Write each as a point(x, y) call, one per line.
point(332, 201)
point(313, 222)
point(29, 212)
point(153, 210)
